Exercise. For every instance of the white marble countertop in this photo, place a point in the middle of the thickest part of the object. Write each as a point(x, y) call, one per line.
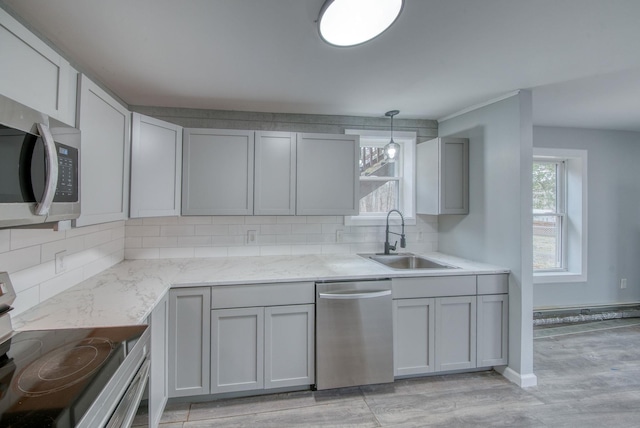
point(127, 293)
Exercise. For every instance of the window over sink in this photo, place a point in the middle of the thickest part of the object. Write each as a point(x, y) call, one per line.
point(384, 184)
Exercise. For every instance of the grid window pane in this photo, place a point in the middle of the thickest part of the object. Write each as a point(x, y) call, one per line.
point(545, 187)
point(547, 242)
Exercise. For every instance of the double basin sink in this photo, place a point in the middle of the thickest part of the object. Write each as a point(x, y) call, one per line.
point(406, 261)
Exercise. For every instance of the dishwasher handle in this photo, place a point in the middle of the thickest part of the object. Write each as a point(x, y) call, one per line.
point(354, 295)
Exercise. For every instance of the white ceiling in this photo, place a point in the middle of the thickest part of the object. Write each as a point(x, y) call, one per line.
point(581, 58)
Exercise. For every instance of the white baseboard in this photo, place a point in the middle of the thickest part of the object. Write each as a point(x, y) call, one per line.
point(523, 381)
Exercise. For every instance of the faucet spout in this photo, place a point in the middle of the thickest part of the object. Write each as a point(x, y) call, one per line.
point(403, 242)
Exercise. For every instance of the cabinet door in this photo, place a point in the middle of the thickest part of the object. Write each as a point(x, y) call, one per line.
point(289, 346)
point(34, 74)
point(442, 176)
point(189, 341)
point(237, 349)
point(327, 175)
point(156, 167)
point(454, 176)
point(158, 379)
point(455, 333)
point(413, 336)
point(493, 321)
point(217, 172)
point(275, 173)
point(104, 156)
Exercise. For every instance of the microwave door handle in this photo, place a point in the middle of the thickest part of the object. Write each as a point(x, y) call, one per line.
point(42, 208)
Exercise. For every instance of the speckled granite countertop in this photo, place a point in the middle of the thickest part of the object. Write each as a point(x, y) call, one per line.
point(127, 293)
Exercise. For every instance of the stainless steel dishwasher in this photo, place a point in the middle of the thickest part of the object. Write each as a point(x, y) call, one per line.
point(354, 333)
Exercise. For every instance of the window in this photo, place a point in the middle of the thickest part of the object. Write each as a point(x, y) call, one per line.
point(559, 215)
point(385, 185)
point(549, 215)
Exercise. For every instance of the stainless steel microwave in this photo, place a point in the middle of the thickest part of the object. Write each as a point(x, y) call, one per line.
point(39, 167)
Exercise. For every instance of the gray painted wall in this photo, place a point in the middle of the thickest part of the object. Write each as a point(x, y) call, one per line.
point(223, 119)
point(497, 229)
point(613, 216)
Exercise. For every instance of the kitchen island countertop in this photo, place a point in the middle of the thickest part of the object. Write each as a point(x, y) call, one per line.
point(126, 293)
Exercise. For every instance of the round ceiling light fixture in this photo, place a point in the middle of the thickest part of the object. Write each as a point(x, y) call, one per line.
point(353, 22)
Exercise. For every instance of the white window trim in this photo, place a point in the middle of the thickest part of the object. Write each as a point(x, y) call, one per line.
point(407, 141)
point(576, 206)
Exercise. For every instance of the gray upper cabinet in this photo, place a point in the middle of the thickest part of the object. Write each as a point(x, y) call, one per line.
point(275, 173)
point(104, 157)
point(327, 174)
point(34, 74)
point(442, 176)
point(217, 174)
point(156, 167)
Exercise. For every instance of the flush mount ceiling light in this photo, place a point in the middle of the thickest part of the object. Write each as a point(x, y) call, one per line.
point(353, 22)
point(392, 149)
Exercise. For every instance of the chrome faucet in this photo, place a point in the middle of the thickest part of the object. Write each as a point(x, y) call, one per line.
point(403, 243)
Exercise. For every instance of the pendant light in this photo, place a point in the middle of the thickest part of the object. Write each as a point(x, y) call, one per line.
point(345, 23)
point(392, 149)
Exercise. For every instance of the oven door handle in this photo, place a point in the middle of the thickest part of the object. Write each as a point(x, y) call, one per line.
point(126, 411)
point(357, 295)
point(51, 183)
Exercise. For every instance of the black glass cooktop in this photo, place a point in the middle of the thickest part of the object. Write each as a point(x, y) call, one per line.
point(49, 378)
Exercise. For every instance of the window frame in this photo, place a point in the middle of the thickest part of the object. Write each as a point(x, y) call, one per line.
point(560, 212)
point(406, 196)
point(575, 242)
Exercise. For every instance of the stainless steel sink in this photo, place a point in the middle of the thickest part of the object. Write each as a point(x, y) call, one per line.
point(406, 261)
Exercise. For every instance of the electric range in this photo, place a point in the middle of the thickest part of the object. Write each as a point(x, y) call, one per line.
point(80, 377)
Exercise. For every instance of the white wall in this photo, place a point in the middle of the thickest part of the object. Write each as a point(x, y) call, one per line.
point(497, 229)
point(613, 216)
point(221, 236)
point(28, 255)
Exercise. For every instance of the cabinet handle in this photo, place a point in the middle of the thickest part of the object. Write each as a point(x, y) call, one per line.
point(353, 296)
point(52, 170)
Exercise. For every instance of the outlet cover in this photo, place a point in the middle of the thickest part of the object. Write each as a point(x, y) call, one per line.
point(60, 266)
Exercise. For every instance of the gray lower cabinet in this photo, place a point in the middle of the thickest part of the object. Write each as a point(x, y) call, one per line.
point(262, 347)
point(189, 341)
point(449, 323)
point(413, 336)
point(289, 351)
point(237, 357)
point(493, 324)
point(158, 379)
point(455, 341)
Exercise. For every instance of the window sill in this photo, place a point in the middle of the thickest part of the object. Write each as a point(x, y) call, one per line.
point(558, 277)
point(378, 221)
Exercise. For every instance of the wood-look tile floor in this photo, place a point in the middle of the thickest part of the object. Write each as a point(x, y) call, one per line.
point(585, 379)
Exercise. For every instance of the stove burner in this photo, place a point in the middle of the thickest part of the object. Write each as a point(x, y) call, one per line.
point(64, 366)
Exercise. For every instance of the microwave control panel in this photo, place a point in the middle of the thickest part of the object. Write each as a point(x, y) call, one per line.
point(67, 188)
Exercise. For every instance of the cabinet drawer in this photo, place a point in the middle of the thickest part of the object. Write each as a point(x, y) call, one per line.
point(435, 286)
point(243, 296)
point(493, 284)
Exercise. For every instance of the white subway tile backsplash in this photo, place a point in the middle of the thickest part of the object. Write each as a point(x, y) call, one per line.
point(29, 256)
point(21, 238)
point(153, 221)
point(212, 230)
point(220, 236)
point(159, 241)
point(177, 230)
point(205, 252)
point(5, 241)
point(142, 231)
